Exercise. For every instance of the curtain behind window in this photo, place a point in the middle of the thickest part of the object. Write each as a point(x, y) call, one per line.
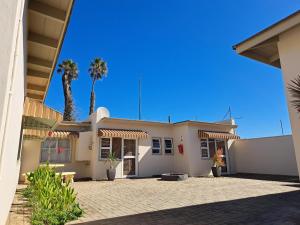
point(56, 151)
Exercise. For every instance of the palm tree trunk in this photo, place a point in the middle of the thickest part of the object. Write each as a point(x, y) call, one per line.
point(92, 98)
point(68, 112)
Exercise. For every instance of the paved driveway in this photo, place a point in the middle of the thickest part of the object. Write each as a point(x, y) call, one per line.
point(225, 200)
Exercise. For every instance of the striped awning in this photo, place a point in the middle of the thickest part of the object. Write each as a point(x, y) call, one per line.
point(215, 134)
point(39, 116)
point(105, 132)
point(41, 134)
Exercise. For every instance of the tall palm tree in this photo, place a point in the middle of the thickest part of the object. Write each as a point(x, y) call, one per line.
point(294, 89)
point(98, 69)
point(69, 71)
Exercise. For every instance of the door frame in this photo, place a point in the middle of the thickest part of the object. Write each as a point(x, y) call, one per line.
point(226, 153)
point(130, 157)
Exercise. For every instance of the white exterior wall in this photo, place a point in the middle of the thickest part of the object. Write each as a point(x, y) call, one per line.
point(12, 73)
point(270, 155)
point(197, 165)
point(31, 154)
point(148, 164)
point(181, 161)
point(84, 144)
point(289, 53)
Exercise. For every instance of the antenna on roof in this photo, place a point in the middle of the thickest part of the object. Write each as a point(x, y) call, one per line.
point(228, 115)
point(140, 96)
point(281, 127)
point(169, 118)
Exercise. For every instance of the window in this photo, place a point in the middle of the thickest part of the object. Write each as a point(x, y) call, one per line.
point(156, 146)
point(204, 149)
point(168, 146)
point(116, 148)
point(56, 151)
point(212, 147)
point(104, 148)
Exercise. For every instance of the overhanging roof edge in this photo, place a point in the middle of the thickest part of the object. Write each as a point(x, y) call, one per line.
point(295, 16)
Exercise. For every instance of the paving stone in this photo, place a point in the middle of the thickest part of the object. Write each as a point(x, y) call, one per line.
point(196, 201)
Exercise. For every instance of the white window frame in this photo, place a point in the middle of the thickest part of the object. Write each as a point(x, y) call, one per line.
point(204, 148)
point(165, 147)
point(100, 158)
point(155, 148)
point(56, 147)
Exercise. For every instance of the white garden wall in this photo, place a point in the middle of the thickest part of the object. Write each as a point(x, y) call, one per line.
point(269, 155)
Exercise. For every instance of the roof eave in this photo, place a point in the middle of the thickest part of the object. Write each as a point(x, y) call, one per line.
point(269, 32)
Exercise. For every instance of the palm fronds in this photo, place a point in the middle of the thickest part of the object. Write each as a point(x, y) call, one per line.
point(294, 90)
point(98, 69)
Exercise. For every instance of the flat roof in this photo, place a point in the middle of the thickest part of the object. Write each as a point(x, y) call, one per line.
point(47, 24)
point(185, 122)
point(263, 45)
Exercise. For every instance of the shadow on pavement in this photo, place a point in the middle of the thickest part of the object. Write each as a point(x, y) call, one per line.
point(274, 209)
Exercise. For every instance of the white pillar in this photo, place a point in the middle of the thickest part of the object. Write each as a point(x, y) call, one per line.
point(289, 53)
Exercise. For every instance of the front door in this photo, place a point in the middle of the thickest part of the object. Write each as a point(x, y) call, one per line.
point(129, 157)
point(221, 146)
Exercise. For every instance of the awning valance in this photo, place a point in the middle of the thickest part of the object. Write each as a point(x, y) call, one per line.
point(105, 132)
point(42, 134)
point(39, 116)
point(216, 134)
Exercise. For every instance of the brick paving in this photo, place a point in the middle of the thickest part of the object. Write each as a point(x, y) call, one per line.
point(226, 200)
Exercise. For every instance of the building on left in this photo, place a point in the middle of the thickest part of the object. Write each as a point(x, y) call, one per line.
point(32, 33)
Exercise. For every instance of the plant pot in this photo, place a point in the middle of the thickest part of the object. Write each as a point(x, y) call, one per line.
point(217, 171)
point(111, 174)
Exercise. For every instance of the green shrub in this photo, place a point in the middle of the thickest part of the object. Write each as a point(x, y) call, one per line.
point(52, 201)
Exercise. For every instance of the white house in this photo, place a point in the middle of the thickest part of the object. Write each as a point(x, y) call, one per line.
point(143, 148)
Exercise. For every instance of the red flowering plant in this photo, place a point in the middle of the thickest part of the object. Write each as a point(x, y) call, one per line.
point(217, 159)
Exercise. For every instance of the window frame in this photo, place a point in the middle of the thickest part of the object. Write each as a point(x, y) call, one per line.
point(100, 158)
point(165, 147)
point(56, 147)
point(155, 148)
point(204, 148)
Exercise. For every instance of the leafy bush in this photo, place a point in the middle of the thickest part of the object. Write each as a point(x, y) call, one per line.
point(52, 201)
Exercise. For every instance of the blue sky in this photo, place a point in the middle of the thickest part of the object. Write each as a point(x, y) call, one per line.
point(182, 52)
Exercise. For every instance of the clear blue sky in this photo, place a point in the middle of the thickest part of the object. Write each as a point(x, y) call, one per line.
point(182, 51)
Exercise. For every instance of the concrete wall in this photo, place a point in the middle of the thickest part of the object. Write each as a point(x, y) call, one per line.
point(12, 62)
point(271, 155)
point(31, 159)
point(289, 53)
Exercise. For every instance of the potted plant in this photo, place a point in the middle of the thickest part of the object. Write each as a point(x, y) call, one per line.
point(218, 163)
point(111, 171)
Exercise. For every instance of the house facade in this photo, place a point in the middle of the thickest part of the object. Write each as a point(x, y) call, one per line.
point(142, 148)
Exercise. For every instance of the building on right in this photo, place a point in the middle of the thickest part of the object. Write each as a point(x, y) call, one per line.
point(279, 46)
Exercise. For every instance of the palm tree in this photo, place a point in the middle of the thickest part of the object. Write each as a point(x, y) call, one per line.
point(69, 71)
point(294, 89)
point(97, 70)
